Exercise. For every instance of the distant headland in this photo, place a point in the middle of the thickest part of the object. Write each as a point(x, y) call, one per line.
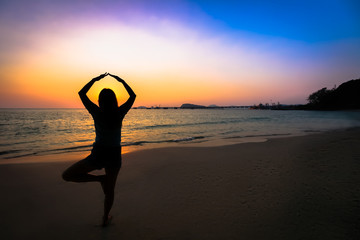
point(346, 96)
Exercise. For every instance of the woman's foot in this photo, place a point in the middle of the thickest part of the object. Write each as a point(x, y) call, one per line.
point(106, 220)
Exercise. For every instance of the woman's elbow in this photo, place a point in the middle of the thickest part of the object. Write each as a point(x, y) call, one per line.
point(81, 93)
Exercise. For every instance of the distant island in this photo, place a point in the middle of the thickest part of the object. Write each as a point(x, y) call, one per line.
point(191, 106)
point(345, 97)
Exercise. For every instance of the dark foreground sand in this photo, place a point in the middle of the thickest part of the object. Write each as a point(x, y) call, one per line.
point(288, 188)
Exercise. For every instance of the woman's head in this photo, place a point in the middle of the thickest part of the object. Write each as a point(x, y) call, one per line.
point(107, 99)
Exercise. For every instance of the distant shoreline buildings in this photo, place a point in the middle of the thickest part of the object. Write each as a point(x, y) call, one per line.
point(193, 106)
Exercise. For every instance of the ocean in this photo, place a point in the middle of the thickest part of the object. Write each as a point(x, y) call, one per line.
point(38, 132)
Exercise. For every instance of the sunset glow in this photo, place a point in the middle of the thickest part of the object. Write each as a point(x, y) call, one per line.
point(49, 51)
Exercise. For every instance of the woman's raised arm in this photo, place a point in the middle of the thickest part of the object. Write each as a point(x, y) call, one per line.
point(128, 104)
point(89, 105)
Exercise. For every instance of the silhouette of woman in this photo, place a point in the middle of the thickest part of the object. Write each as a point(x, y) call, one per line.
point(106, 152)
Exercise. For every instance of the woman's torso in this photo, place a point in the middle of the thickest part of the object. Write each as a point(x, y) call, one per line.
point(108, 128)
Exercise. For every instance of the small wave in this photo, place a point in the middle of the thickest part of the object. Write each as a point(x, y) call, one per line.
point(188, 124)
point(84, 140)
point(45, 152)
point(15, 143)
point(139, 143)
point(9, 152)
point(21, 155)
point(158, 126)
point(260, 135)
point(187, 139)
point(259, 118)
point(69, 148)
point(311, 131)
point(184, 139)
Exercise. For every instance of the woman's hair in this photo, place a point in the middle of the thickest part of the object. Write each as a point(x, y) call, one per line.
point(107, 99)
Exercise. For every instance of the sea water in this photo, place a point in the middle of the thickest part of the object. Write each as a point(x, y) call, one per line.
point(32, 132)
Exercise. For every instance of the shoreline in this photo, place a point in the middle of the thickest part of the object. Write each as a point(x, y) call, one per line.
point(78, 155)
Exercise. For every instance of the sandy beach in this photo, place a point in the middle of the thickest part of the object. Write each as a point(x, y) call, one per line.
point(303, 187)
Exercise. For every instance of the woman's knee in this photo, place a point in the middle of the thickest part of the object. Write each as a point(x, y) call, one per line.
point(77, 169)
point(67, 175)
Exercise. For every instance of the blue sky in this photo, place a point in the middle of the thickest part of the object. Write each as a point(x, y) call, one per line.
point(309, 21)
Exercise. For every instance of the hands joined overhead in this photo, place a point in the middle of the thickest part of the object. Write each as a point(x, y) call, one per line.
point(106, 74)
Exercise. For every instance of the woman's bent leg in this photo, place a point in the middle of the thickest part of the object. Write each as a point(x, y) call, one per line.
point(79, 172)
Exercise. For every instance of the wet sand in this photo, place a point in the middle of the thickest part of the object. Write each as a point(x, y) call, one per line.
point(287, 188)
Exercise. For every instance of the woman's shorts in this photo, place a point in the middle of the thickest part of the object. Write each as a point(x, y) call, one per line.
point(105, 157)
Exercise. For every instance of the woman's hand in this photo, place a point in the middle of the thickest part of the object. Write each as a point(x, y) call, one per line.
point(100, 77)
point(116, 77)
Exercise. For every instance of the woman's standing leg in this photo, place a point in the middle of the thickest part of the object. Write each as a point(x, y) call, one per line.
point(108, 185)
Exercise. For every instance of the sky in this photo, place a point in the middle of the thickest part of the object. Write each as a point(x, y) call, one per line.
point(176, 51)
